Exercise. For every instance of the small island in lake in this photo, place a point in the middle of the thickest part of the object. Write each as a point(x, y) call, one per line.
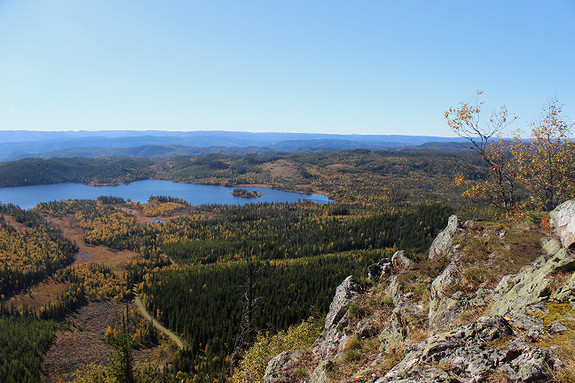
point(246, 193)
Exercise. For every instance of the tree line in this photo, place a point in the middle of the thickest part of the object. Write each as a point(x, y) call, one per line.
point(356, 176)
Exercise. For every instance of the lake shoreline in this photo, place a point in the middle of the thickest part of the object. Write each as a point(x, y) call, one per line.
point(140, 191)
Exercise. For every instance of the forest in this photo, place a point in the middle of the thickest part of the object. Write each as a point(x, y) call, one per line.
point(191, 270)
point(24, 341)
point(356, 176)
point(302, 252)
point(30, 249)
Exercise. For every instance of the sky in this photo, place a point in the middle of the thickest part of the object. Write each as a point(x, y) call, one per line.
point(314, 66)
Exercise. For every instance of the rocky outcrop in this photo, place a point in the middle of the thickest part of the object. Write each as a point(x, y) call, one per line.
point(400, 262)
point(533, 283)
point(345, 293)
point(379, 269)
point(442, 245)
point(567, 292)
point(336, 333)
point(280, 368)
point(562, 221)
point(468, 353)
point(442, 306)
point(331, 343)
point(433, 327)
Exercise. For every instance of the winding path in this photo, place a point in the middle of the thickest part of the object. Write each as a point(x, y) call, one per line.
point(155, 323)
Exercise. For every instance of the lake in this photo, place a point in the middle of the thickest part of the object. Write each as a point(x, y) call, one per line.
point(29, 196)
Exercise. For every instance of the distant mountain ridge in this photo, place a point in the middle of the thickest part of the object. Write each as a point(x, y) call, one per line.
point(16, 145)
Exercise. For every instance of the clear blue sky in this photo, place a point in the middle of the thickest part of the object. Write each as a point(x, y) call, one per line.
point(361, 66)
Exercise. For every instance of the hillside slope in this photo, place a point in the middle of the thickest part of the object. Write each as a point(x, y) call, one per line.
point(492, 302)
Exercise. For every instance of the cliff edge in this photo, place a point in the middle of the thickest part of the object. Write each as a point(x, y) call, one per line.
point(492, 302)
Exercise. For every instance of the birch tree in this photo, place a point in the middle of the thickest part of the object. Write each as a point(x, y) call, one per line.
point(484, 137)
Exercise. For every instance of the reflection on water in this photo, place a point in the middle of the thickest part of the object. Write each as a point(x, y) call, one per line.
point(82, 254)
point(155, 221)
point(29, 196)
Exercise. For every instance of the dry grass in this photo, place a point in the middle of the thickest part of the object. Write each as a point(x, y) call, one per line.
point(499, 343)
point(417, 335)
point(487, 256)
point(89, 254)
point(352, 349)
point(563, 344)
point(40, 295)
point(16, 225)
point(391, 360)
point(498, 377)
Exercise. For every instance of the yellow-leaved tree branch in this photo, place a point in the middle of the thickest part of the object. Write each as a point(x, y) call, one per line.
point(484, 137)
point(547, 160)
point(542, 165)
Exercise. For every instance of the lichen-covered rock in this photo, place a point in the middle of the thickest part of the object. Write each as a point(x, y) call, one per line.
point(557, 327)
point(531, 285)
point(400, 262)
point(531, 325)
point(319, 374)
point(345, 293)
point(280, 369)
point(562, 221)
point(332, 340)
point(441, 306)
point(393, 334)
point(456, 348)
point(442, 245)
point(567, 292)
point(528, 363)
point(467, 353)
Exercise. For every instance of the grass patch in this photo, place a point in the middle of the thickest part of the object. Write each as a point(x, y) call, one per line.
point(564, 346)
point(391, 360)
point(558, 311)
point(491, 250)
point(499, 377)
point(352, 350)
point(563, 343)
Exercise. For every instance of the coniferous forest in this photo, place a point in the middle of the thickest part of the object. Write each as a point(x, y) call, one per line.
point(191, 267)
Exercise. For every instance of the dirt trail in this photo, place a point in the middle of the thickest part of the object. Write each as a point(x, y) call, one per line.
point(145, 314)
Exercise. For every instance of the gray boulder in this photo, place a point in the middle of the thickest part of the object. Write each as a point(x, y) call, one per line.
point(567, 292)
point(345, 293)
point(442, 244)
point(400, 262)
point(557, 327)
point(393, 334)
point(442, 306)
point(336, 333)
point(562, 221)
point(280, 369)
point(319, 374)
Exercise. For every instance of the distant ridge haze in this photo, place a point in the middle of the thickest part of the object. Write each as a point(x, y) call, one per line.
point(21, 144)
